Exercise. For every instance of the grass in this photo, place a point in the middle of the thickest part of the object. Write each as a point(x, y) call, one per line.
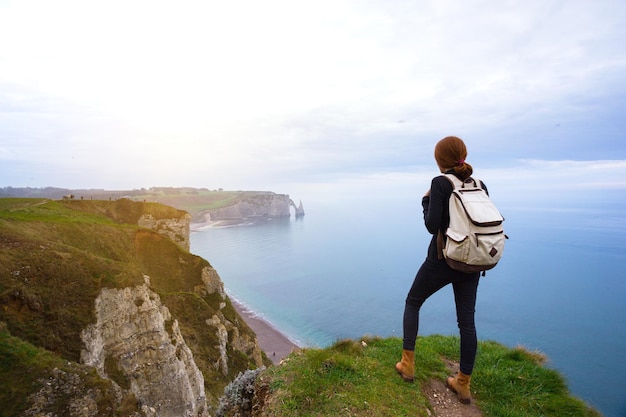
point(513, 382)
point(44, 210)
point(357, 378)
point(17, 381)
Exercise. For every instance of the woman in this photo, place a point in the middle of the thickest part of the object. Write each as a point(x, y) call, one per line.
point(434, 274)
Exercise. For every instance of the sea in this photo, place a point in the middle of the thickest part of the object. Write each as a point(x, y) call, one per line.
point(343, 271)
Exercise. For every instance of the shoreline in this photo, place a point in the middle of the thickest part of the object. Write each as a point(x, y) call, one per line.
point(234, 222)
point(200, 226)
point(274, 343)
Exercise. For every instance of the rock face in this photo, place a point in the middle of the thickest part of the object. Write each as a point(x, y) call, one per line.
point(223, 327)
point(175, 229)
point(259, 205)
point(136, 342)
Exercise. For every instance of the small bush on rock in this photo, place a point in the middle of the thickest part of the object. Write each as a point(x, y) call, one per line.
point(238, 395)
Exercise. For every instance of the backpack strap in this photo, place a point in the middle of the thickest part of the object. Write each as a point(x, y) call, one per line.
point(457, 183)
point(452, 179)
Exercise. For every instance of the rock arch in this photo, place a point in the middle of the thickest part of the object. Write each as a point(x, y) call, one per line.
point(299, 210)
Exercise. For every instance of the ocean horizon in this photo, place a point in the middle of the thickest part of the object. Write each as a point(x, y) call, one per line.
point(344, 269)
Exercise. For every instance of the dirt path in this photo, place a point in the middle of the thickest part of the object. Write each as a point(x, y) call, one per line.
point(444, 402)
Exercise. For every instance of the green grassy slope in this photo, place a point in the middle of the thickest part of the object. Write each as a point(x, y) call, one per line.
point(55, 257)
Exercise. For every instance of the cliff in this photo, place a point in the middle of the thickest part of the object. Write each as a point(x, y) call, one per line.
point(254, 205)
point(109, 288)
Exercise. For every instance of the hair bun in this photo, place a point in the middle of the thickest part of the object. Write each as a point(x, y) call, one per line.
point(450, 153)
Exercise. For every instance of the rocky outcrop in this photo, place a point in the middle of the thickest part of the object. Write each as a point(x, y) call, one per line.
point(223, 327)
point(299, 210)
point(137, 343)
point(212, 281)
point(177, 229)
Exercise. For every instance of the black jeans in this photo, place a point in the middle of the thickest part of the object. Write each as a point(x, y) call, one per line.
point(431, 277)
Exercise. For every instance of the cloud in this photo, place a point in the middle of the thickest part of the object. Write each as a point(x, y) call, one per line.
point(550, 174)
point(216, 59)
point(552, 183)
point(247, 94)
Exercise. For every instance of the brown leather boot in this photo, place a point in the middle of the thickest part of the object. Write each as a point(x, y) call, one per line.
point(406, 366)
point(460, 384)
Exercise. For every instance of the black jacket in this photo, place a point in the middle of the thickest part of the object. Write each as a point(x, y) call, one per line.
point(436, 211)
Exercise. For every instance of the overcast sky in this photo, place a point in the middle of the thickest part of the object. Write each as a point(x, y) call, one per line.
point(269, 94)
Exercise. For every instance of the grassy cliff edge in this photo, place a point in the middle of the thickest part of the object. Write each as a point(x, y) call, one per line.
point(358, 378)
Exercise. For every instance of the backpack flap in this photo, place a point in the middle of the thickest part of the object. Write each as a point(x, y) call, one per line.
point(478, 207)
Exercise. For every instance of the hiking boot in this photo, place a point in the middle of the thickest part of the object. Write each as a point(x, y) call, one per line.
point(460, 384)
point(406, 366)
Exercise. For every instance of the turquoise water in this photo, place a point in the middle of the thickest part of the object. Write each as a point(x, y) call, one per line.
point(344, 269)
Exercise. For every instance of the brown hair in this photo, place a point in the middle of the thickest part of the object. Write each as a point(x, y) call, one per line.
point(450, 153)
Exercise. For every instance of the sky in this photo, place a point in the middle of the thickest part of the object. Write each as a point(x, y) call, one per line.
point(282, 95)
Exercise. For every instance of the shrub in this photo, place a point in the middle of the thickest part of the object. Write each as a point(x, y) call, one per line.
point(238, 395)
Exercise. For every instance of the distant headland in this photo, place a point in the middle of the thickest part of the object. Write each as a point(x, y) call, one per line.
point(205, 206)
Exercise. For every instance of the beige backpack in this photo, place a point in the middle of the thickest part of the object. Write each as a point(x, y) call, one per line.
point(475, 237)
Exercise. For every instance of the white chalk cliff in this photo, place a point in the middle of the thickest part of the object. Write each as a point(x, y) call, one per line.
point(136, 336)
point(258, 205)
